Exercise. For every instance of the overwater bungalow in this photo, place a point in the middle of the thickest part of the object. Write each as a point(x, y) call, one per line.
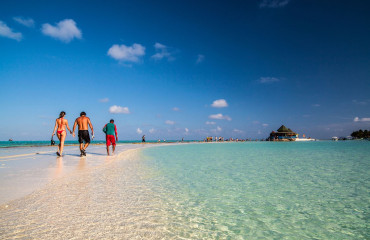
point(283, 134)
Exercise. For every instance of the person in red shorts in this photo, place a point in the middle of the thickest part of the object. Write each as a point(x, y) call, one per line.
point(110, 129)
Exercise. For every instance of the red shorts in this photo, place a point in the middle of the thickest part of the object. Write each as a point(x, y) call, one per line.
point(111, 140)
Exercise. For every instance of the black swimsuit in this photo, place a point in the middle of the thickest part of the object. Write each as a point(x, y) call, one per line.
point(83, 135)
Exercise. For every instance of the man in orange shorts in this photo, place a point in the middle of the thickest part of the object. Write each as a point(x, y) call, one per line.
point(110, 129)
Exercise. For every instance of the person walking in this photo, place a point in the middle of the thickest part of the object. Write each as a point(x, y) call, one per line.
point(60, 126)
point(143, 139)
point(110, 130)
point(83, 123)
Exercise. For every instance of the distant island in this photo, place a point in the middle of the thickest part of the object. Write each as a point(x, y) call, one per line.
point(360, 134)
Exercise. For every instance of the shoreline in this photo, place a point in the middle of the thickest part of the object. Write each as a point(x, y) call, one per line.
point(102, 142)
point(22, 174)
point(111, 198)
point(28, 171)
point(158, 193)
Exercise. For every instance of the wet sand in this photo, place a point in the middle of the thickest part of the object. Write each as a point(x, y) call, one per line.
point(23, 170)
point(72, 197)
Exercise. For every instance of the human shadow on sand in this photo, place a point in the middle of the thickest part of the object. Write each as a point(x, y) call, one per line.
point(100, 154)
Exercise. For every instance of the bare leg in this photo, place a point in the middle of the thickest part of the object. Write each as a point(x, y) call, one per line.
point(60, 141)
point(86, 145)
point(114, 148)
point(81, 149)
point(108, 150)
point(62, 138)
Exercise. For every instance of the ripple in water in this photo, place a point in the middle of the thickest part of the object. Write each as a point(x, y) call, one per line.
point(315, 190)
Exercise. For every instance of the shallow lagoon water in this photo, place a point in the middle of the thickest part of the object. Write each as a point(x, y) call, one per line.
point(265, 190)
point(251, 190)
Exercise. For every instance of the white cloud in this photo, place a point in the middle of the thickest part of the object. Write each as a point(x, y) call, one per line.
point(5, 31)
point(357, 119)
point(118, 109)
point(139, 131)
point(104, 100)
point(200, 58)
point(273, 3)
point(220, 103)
point(316, 105)
point(176, 109)
point(65, 30)
point(28, 22)
point(268, 80)
point(259, 123)
point(152, 130)
point(169, 122)
point(217, 130)
point(127, 53)
point(365, 102)
point(210, 123)
point(220, 117)
point(237, 131)
point(186, 130)
point(159, 46)
point(162, 51)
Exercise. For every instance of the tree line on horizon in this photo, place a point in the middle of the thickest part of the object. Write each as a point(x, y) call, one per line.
point(361, 134)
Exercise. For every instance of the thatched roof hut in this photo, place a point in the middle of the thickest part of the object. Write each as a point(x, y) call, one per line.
point(283, 134)
point(283, 129)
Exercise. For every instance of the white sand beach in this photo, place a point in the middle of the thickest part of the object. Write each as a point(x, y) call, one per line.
point(71, 197)
point(26, 169)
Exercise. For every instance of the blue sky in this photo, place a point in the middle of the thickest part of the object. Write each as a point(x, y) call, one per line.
point(173, 69)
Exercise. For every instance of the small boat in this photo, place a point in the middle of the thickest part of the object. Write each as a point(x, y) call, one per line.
point(10, 140)
point(334, 138)
point(304, 139)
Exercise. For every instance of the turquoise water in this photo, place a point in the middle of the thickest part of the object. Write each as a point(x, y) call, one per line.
point(264, 190)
